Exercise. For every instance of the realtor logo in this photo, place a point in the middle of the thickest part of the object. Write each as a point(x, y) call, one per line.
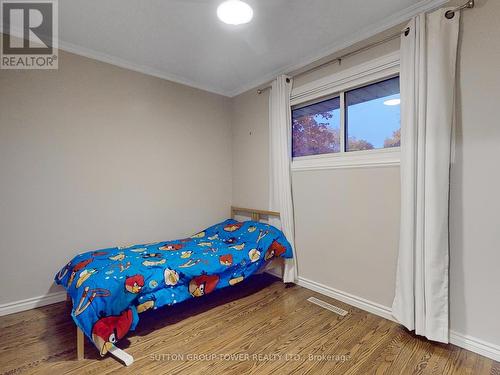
point(29, 34)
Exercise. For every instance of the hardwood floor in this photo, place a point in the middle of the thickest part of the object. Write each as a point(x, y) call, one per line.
point(260, 327)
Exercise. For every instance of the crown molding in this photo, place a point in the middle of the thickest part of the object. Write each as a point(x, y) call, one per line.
point(144, 69)
point(125, 64)
point(365, 33)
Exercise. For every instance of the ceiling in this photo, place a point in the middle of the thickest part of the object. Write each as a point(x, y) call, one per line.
point(183, 41)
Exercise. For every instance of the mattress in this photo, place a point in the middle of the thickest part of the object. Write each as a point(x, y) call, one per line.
point(110, 287)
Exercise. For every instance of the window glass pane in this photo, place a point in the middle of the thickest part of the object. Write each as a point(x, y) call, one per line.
point(316, 128)
point(373, 116)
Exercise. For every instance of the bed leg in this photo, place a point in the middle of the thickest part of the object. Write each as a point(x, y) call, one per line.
point(80, 344)
point(288, 271)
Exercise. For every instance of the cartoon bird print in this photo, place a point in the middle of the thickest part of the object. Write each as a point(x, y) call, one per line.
point(134, 284)
point(108, 330)
point(63, 271)
point(139, 250)
point(275, 250)
point(262, 234)
point(171, 277)
point(198, 235)
point(120, 256)
point(238, 247)
point(232, 227)
point(77, 268)
point(186, 254)
point(254, 255)
point(152, 263)
point(203, 284)
point(230, 240)
point(190, 263)
point(210, 250)
point(236, 279)
point(84, 275)
point(121, 266)
point(205, 244)
point(145, 306)
point(226, 260)
point(151, 255)
point(171, 247)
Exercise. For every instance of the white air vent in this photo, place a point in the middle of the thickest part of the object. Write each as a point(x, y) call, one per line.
point(327, 306)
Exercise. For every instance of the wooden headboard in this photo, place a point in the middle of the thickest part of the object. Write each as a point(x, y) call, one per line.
point(255, 214)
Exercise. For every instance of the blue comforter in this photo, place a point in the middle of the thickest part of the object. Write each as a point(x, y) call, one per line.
point(110, 287)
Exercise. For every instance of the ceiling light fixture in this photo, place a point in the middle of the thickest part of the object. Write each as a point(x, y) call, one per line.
point(392, 102)
point(234, 12)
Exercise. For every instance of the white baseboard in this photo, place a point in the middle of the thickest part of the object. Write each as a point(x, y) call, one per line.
point(31, 303)
point(464, 341)
point(363, 304)
point(475, 345)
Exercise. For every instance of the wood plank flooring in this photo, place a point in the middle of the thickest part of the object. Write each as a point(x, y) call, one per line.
point(258, 327)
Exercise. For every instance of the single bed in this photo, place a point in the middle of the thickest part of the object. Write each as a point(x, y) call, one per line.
point(110, 288)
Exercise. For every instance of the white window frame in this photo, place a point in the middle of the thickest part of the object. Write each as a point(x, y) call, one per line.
point(336, 85)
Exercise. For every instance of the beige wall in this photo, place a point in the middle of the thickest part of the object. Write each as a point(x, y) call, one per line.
point(347, 220)
point(93, 155)
point(250, 120)
point(475, 179)
point(346, 224)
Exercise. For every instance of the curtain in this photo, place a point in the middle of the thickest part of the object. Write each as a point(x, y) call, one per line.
point(428, 67)
point(280, 185)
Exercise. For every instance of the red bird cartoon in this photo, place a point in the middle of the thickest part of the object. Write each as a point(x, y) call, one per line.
point(108, 330)
point(204, 284)
point(78, 267)
point(226, 260)
point(134, 284)
point(232, 227)
point(275, 250)
point(171, 247)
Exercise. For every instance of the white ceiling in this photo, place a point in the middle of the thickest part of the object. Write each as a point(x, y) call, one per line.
point(182, 40)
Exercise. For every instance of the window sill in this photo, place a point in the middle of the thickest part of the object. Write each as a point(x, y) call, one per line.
point(355, 159)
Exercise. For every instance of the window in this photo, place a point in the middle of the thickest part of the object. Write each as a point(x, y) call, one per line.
point(372, 116)
point(371, 120)
point(316, 128)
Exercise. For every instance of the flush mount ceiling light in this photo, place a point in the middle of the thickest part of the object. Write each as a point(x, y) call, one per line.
point(234, 12)
point(393, 102)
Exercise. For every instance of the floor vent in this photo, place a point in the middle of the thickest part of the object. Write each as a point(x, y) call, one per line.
point(327, 306)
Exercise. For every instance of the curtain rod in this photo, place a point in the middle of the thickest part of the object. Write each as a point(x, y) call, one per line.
point(449, 14)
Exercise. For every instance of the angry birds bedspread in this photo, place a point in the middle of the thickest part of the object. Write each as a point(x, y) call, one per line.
point(110, 287)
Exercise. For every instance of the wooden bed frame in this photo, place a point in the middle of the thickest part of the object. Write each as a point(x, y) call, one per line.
point(256, 215)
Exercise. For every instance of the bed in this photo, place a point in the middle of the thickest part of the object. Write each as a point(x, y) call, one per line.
point(110, 288)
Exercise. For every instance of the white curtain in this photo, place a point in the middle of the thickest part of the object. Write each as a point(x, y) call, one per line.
point(428, 65)
point(280, 185)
